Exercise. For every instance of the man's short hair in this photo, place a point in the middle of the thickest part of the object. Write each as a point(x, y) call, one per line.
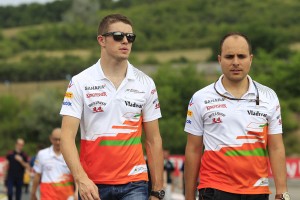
point(110, 19)
point(235, 34)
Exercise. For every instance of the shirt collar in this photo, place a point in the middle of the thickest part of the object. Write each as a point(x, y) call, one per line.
point(52, 153)
point(129, 73)
point(222, 90)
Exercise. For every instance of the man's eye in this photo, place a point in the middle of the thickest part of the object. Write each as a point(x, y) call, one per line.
point(229, 56)
point(241, 56)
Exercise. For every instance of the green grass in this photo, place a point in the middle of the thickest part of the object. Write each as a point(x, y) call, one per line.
point(25, 90)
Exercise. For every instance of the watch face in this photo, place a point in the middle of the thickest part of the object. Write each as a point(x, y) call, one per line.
point(161, 194)
point(286, 196)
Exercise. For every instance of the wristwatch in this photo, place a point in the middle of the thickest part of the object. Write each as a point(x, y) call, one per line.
point(160, 194)
point(283, 196)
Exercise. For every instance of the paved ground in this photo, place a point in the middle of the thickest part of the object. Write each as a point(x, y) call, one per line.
point(294, 189)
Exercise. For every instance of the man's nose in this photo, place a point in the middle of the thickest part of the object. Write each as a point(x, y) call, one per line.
point(235, 61)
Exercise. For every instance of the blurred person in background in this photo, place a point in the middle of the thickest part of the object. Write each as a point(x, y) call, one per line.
point(52, 174)
point(16, 164)
point(168, 178)
point(238, 122)
point(113, 102)
point(26, 180)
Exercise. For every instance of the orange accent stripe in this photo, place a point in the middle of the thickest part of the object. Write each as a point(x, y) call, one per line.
point(133, 123)
point(124, 127)
point(247, 137)
point(255, 133)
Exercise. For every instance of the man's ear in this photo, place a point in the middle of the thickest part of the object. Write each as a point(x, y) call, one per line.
point(100, 40)
point(251, 59)
point(219, 58)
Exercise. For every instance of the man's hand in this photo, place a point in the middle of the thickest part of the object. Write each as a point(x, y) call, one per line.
point(87, 189)
point(33, 196)
point(19, 158)
point(153, 198)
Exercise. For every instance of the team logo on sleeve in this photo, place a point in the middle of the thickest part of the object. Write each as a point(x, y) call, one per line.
point(188, 121)
point(157, 106)
point(69, 95)
point(66, 103)
point(70, 84)
point(279, 120)
point(191, 102)
point(153, 91)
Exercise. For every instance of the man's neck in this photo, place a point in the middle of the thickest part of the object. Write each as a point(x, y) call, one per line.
point(18, 151)
point(57, 152)
point(237, 89)
point(114, 71)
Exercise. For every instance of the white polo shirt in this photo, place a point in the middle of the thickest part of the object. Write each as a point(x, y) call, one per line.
point(111, 122)
point(235, 135)
point(56, 179)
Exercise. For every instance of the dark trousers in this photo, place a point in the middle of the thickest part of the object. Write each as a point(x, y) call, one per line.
point(214, 194)
point(130, 191)
point(10, 188)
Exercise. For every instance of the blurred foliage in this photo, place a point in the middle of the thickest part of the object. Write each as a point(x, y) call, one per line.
point(159, 25)
point(29, 14)
point(175, 87)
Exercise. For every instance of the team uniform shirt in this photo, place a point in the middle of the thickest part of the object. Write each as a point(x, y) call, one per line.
point(56, 179)
point(111, 122)
point(235, 135)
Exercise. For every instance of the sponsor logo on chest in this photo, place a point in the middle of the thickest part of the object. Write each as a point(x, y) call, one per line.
point(134, 91)
point(135, 105)
point(101, 94)
point(97, 103)
point(95, 87)
point(256, 113)
point(213, 100)
point(216, 106)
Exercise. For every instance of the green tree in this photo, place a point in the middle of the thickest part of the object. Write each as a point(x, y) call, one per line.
point(9, 109)
point(175, 86)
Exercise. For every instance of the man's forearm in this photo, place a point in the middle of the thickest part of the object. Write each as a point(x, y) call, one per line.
point(25, 164)
point(70, 153)
point(191, 171)
point(278, 163)
point(155, 162)
point(193, 154)
point(278, 166)
point(35, 184)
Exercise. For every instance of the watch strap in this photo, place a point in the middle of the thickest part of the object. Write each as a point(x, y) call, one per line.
point(279, 196)
point(158, 194)
point(283, 196)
